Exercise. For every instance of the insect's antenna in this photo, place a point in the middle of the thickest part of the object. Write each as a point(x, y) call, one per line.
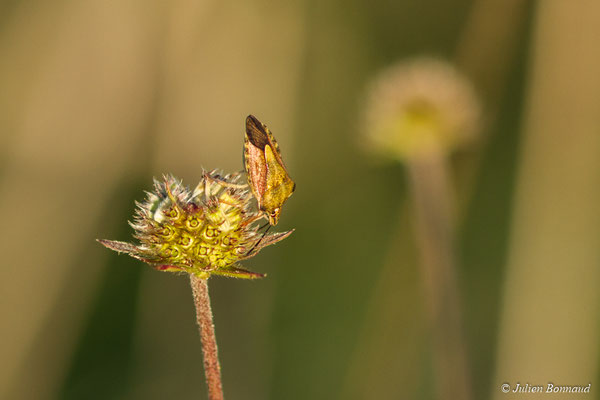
point(261, 238)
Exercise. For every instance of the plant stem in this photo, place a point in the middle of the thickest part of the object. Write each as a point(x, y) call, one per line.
point(204, 316)
point(435, 235)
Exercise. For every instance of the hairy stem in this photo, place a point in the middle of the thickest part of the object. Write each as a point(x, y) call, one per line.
point(435, 235)
point(204, 316)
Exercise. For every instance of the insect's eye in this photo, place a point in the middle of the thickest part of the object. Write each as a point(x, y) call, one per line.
point(275, 212)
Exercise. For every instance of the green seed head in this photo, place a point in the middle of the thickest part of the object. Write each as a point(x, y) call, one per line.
point(203, 231)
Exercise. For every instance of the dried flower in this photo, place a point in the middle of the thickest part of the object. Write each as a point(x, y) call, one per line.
point(420, 106)
point(204, 231)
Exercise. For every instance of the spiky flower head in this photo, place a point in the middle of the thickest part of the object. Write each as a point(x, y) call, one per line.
point(205, 231)
point(420, 106)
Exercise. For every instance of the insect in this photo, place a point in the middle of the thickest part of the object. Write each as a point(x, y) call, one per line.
point(267, 176)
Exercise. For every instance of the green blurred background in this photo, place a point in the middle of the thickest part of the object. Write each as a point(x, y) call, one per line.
point(97, 97)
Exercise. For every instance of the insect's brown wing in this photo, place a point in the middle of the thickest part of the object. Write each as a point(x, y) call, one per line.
point(254, 158)
point(261, 136)
point(256, 132)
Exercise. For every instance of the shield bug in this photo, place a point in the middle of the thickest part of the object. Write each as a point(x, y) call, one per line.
point(267, 176)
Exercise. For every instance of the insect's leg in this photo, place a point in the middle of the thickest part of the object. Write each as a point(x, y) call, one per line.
point(259, 240)
point(253, 219)
point(208, 189)
point(223, 183)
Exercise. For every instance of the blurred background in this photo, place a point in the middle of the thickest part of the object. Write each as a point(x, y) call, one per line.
point(98, 97)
